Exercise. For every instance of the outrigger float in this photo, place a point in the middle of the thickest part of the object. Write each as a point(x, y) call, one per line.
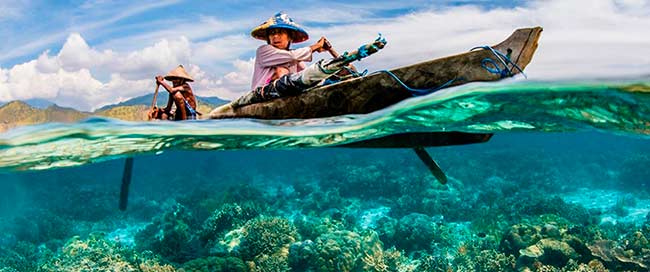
point(367, 93)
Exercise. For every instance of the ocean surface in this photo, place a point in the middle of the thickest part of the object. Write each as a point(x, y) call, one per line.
point(563, 185)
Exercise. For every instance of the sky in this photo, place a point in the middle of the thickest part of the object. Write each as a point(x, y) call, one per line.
point(86, 54)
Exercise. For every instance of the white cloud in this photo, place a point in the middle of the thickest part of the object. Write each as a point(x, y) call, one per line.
point(162, 56)
point(76, 54)
point(108, 93)
point(82, 77)
point(25, 81)
point(229, 86)
point(580, 38)
point(243, 75)
point(223, 49)
point(5, 95)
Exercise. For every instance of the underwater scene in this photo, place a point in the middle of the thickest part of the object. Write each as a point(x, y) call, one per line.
point(563, 184)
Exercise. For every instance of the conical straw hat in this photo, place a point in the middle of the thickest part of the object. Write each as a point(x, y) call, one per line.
point(179, 72)
point(280, 20)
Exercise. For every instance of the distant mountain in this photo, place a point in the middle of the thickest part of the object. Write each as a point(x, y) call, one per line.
point(213, 100)
point(145, 100)
point(37, 111)
point(38, 103)
point(18, 113)
point(126, 113)
point(140, 100)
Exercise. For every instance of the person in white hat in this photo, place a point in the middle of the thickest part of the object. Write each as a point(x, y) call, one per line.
point(275, 58)
point(180, 94)
point(279, 72)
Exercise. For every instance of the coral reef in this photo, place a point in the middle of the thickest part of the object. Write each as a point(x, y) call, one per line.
point(266, 241)
point(301, 254)
point(39, 226)
point(98, 254)
point(338, 251)
point(414, 232)
point(214, 264)
point(433, 264)
point(227, 217)
point(171, 235)
point(547, 251)
point(617, 258)
point(356, 215)
point(311, 227)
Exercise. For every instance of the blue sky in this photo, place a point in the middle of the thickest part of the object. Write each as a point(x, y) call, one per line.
point(37, 26)
point(86, 54)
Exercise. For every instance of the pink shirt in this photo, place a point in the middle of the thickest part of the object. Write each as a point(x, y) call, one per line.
point(269, 57)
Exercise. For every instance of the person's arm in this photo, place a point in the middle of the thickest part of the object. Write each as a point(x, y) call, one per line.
point(269, 56)
point(161, 81)
point(301, 66)
point(170, 101)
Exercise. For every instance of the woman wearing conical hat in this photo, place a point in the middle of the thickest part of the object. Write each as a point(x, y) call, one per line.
point(275, 58)
point(280, 71)
point(180, 94)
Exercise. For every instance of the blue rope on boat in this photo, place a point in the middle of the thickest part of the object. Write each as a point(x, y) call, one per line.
point(415, 91)
point(355, 73)
point(505, 72)
point(505, 60)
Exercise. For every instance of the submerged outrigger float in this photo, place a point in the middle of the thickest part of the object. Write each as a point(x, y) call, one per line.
point(367, 93)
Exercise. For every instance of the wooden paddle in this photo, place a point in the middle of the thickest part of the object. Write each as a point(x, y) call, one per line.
point(155, 95)
point(153, 102)
point(328, 46)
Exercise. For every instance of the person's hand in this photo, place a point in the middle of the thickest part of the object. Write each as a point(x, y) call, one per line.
point(160, 79)
point(319, 46)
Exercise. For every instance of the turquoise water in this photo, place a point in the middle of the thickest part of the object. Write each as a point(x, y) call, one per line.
point(563, 184)
point(617, 107)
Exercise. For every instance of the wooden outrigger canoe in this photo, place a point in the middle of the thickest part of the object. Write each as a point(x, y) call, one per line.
point(376, 91)
point(379, 90)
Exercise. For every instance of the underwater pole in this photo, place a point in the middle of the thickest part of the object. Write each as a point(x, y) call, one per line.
point(420, 151)
point(126, 183)
point(431, 164)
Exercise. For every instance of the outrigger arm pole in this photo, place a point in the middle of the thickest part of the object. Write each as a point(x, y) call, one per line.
point(126, 183)
point(431, 164)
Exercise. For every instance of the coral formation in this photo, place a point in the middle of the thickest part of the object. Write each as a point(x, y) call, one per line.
point(356, 217)
point(267, 240)
point(414, 232)
point(98, 254)
point(214, 264)
point(227, 217)
point(171, 235)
